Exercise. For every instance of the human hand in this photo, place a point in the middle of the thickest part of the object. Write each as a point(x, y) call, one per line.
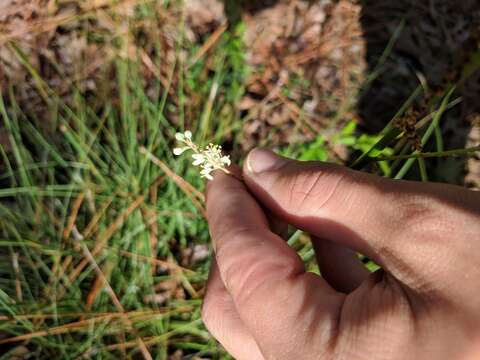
point(423, 304)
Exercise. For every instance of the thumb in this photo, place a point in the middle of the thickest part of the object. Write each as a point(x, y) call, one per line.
point(396, 223)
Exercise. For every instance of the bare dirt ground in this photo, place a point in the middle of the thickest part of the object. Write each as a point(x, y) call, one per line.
point(309, 59)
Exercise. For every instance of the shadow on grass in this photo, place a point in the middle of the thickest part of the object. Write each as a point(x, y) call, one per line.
point(431, 42)
point(408, 42)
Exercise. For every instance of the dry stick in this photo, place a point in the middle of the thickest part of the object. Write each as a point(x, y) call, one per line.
point(125, 345)
point(73, 315)
point(186, 187)
point(66, 234)
point(72, 219)
point(143, 349)
point(89, 229)
point(55, 330)
point(147, 61)
point(129, 344)
point(87, 233)
point(18, 284)
point(87, 323)
point(96, 218)
point(97, 286)
point(165, 264)
point(106, 235)
point(211, 41)
point(101, 279)
point(61, 274)
point(148, 341)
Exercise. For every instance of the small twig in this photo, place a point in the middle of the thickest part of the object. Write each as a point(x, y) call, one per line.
point(82, 324)
point(16, 269)
point(184, 185)
point(107, 234)
point(73, 216)
point(212, 40)
point(187, 188)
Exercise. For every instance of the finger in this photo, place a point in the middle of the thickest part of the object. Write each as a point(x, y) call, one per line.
point(222, 320)
point(277, 226)
point(266, 279)
point(339, 265)
point(403, 226)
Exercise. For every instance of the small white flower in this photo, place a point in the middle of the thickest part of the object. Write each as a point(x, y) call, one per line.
point(226, 160)
point(206, 173)
point(199, 159)
point(208, 159)
point(184, 137)
point(180, 151)
point(180, 137)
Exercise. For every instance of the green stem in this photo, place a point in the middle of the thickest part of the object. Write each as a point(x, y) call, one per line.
point(437, 154)
point(423, 169)
point(426, 137)
point(389, 132)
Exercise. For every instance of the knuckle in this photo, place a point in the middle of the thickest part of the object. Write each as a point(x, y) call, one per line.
point(229, 241)
point(252, 279)
point(419, 245)
point(262, 280)
point(422, 218)
point(247, 271)
point(314, 189)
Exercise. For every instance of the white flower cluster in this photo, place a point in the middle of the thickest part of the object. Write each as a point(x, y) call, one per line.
point(208, 159)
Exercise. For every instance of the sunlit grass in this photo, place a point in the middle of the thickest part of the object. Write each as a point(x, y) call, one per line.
point(93, 232)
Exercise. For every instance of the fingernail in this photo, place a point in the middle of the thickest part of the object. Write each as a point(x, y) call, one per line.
point(260, 160)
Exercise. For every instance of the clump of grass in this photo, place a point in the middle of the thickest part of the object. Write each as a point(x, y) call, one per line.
point(98, 217)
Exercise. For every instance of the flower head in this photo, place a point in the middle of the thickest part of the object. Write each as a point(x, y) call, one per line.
point(208, 159)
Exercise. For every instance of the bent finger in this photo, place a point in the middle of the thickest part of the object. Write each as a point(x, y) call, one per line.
point(339, 265)
point(404, 226)
point(222, 320)
point(261, 272)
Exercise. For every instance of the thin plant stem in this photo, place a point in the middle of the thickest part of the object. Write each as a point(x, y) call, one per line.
point(437, 154)
point(430, 130)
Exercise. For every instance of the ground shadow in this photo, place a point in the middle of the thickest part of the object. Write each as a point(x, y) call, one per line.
point(428, 40)
point(407, 42)
point(235, 8)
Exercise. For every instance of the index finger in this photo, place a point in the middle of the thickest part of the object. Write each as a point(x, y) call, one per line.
point(261, 272)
